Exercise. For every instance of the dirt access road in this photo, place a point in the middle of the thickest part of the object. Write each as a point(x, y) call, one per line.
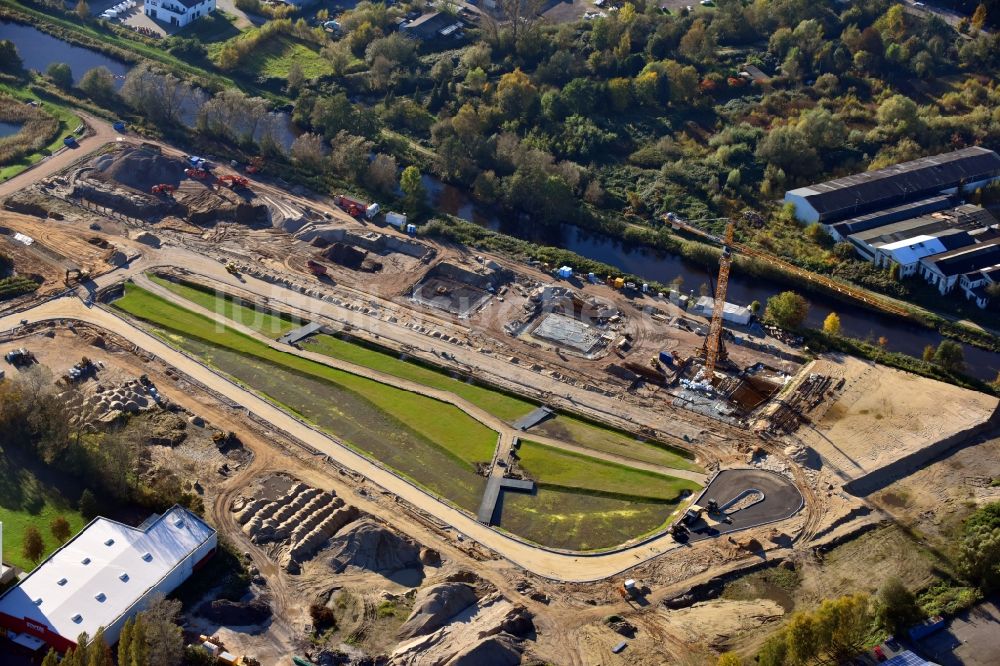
point(551, 565)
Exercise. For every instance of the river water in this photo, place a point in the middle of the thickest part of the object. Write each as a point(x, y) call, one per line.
point(651, 264)
point(38, 50)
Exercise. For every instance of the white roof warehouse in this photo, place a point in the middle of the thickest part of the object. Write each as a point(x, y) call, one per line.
point(104, 575)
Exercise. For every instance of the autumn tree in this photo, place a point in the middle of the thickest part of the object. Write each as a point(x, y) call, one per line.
point(831, 325)
point(949, 356)
point(60, 528)
point(33, 547)
point(979, 17)
point(381, 174)
point(896, 607)
point(979, 549)
point(309, 150)
point(98, 83)
point(82, 10)
point(787, 309)
point(413, 189)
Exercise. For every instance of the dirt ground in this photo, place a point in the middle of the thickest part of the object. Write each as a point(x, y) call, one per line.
point(882, 414)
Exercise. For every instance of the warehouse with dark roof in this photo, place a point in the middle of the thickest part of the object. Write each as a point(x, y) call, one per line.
point(863, 193)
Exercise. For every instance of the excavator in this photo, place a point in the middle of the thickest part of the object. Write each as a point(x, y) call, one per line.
point(197, 174)
point(233, 181)
point(255, 165)
point(163, 188)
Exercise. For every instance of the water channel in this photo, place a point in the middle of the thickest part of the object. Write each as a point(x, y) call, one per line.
point(855, 321)
point(38, 50)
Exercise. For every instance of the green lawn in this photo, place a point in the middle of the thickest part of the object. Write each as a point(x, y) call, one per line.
point(275, 57)
point(568, 470)
point(27, 501)
point(216, 27)
point(442, 424)
point(68, 121)
point(263, 322)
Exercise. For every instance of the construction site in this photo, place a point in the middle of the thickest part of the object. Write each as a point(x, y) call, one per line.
point(464, 458)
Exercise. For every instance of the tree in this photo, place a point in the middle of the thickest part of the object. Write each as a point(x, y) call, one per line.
point(755, 306)
point(33, 547)
point(98, 652)
point(979, 17)
point(382, 173)
point(295, 78)
point(949, 356)
point(98, 83)
point(413, 188)
point(309, 150)
point(51, 658)
point(10, 59)
point(516, 94)
point(979, 550)
point(928, 354)
point(896, 607)
point(787, 309)
point(164, 639)
point(82, 10)
point(831, 325)
point(87, 504)
point(730, 659)
point(61, 75)
point(60, 528)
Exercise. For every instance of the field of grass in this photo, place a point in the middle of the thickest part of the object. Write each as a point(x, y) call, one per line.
point(68, 121)
point(25, 500)
point(275, 57)
point(216, 27)
point(567, 470)
point(431, 442)
point(263, 322)
point(502, 405)
point(587, 504)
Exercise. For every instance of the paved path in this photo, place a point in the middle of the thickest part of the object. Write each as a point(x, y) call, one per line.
point(101, 133)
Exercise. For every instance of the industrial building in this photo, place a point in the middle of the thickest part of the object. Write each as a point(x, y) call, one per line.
point(178, 12)
point(944, 270)
point(433, 25)
point(918, 180)
point(103, 576)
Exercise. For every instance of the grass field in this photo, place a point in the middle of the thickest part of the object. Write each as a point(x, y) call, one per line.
point(433, 443)
point(68, 121)
point(275, 57)
point(25, 500)
point(232, 308)
point(502, 405)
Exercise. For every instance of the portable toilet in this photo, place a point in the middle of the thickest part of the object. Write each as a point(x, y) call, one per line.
point(411, 229)
point(591, 278)
point(645, 288)
point(565, 272)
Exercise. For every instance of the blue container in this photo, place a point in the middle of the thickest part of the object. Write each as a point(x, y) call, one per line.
point(666, 359)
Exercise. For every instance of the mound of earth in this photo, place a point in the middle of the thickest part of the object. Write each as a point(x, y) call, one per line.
point(367, 545)
point(236, 613)
point(500, 650)
point(139, 168)
point(434, 606)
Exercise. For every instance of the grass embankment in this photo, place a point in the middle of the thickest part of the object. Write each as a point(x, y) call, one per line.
point(25, 501)
point(276, 56)
point(263, 321)
point(504, 406)
point(47, 123)
point(433, 443)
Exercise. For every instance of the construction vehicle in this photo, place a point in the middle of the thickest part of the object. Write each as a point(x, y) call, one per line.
point(74, 275)
point(678, 530)
point(163, 188)
point(714, 348)
point(316, 268)
point(19, 357)
point(70, 141)
point(197, 174)
point(255, 164)
point(233, 181)
point(692, 515)
point(350, 206)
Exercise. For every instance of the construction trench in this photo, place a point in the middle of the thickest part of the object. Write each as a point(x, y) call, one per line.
point(601, 355)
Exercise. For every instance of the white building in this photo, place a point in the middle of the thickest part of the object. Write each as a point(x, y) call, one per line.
point(734, 314)
point(178, 12)
point(103, 576)
point(907, 253)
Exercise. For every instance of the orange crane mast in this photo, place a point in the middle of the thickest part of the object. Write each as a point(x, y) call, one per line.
point(715, 348)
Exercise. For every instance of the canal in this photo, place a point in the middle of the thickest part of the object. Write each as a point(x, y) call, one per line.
point(38, 50)
point(651, 264)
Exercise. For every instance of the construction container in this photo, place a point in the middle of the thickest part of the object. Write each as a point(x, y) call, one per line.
point(119, 126)
point(666, 359)
point(228, 658)
point(925, 628)
point(619, 283)
point(397, 220)
point(372, 210)
point(211, 648)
